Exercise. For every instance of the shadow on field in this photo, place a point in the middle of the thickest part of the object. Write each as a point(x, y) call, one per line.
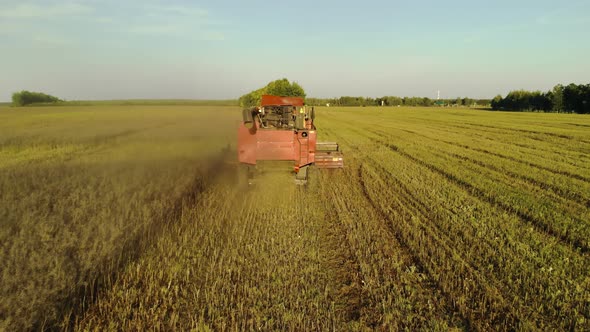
point(219, 168)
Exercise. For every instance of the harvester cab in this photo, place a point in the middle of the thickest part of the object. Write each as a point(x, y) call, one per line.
point(282, 128)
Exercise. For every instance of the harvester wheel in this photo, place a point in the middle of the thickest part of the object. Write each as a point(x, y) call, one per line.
point(245, 175)
point(247, 115)
point(301, 176)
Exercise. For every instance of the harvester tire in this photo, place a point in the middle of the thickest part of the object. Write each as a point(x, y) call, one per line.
point(244, 175)
point(301, 176)
point(247, 115)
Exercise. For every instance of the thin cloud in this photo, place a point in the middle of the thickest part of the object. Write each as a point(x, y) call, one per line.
point(163, 29)
point(175, 20)
point(569, 14)
point(28, 11)
point(103, 20)
point(176, 30)
point(50, 40)
point(211, 36)
point(176, 10)
point(554, 19)
point(471, 39)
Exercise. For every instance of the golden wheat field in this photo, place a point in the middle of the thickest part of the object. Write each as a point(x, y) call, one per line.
point(131, 218)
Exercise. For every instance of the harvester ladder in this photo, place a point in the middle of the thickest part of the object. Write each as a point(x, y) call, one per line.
point(303, 151)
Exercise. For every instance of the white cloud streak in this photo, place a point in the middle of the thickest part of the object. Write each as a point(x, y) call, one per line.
point(175, 20)
point(156, 10)
point(176, 30)
point(35, 11)
point(156, 29)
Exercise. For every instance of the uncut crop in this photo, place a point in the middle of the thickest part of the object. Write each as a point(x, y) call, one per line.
point(443, 219)
point(82, 191)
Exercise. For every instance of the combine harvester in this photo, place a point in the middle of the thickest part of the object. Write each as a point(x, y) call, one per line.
point(282, 128)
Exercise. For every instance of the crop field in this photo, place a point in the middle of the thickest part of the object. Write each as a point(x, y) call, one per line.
point(131, 218)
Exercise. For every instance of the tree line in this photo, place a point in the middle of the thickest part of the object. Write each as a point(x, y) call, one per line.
point(572, 98)
point(24, 98)
point(283, 87)
point(280, 87)
point(396, 101)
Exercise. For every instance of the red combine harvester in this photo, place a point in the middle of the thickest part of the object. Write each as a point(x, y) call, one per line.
point(282, 128)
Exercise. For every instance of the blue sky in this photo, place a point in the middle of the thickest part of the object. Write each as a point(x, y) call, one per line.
point(222, 49)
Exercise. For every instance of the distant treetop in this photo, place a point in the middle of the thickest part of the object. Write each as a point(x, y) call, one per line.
point(24, 98)
point(280, 87)
point(572, 98)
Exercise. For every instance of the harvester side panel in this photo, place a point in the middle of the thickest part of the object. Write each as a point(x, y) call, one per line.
point(247, 143)
point(305, 147)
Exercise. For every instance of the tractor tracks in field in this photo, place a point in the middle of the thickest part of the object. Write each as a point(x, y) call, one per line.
point(431, 283)
point(537, 151)
point(560, 193)
point(476, 256)
point(342, 261)
point(494, 154)
point(379, 283)
point(508, 130)
point(345, 269)
point(571, 238)
point(395, 190)
point(526, 131)
point(414, 284)
point(469, 238)
point(575, 243)
point(484, 302)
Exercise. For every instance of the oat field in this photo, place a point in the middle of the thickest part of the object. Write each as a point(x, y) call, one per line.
point(130, 218)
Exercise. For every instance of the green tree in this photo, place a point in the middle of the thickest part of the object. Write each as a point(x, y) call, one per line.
point(24, 98)
point(557, 98)
point(281, 87)
point(467, 101)
point(572, 101)
point(585, 99)
point(394, 101)
point(539, 101)
point(497, 102)
point(426, 101)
